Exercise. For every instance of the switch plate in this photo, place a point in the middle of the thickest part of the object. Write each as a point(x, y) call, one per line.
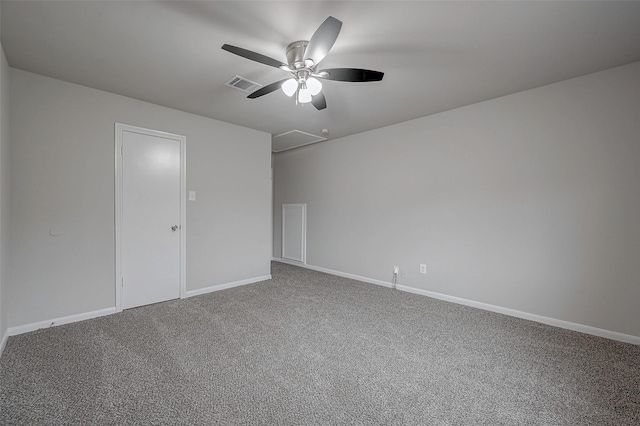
point(423, 268)
point(192, 195)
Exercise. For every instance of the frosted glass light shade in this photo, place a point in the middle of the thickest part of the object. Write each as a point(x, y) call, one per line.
point(304, 96)
point(289, 87)
point(314, 86)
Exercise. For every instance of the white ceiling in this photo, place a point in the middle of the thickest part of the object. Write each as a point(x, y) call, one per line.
point(435, 55)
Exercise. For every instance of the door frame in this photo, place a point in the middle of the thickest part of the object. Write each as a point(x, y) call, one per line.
point(303, 231)
point(119, 130)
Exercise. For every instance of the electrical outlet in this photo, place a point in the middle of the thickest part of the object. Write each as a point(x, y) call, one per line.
point(396, 270)
point(403, 273)
point(423, 268)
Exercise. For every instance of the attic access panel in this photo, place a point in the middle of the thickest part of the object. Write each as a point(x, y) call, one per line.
point(293, 139)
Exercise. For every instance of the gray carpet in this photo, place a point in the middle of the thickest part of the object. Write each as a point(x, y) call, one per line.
point(310, 348)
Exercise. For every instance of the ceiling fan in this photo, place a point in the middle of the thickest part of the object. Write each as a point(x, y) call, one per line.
point(303, 58)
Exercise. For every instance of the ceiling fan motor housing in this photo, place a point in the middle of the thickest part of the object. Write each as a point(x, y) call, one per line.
point(295, 54)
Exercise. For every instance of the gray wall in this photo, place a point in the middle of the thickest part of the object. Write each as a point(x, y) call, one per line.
point(528, 202)
point(62, 176)
point(4, 188)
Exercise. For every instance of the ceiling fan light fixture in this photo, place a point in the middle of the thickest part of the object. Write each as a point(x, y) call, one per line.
point(304, 96)
point(289, 87)
point(314, 86)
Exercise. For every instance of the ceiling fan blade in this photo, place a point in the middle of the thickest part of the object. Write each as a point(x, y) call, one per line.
point(349, 74)
point(323, 39)
point(267, 89)
point(253, 56)
point(319, 101)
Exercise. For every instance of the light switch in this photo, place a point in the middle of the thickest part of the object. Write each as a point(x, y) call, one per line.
point(192, 195)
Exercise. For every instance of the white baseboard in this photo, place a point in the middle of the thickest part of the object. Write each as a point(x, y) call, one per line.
point(613, 335)
point(332, 272)
point(218, 287)
point(13, 331)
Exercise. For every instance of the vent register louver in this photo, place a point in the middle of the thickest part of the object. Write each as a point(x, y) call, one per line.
point(243, 84)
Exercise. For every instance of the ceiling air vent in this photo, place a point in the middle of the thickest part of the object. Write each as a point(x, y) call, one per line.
point(243, 84)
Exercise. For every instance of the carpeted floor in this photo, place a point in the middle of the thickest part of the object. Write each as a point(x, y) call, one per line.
point(310, 348)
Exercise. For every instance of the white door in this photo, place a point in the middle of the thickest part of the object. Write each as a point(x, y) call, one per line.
point(151, 217)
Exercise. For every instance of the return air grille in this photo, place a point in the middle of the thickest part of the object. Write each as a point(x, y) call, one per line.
point(243, 84)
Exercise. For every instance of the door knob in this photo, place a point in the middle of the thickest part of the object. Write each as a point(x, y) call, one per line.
point(174, 228)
